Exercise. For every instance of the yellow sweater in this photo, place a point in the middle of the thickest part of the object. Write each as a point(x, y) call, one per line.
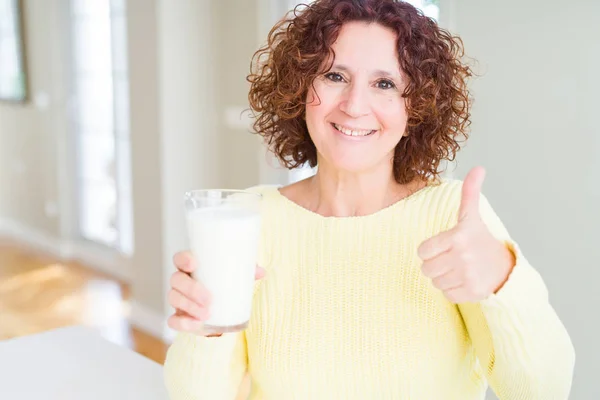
point(345, 313)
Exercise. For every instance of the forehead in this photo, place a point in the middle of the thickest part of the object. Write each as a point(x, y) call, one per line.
point(366, 45)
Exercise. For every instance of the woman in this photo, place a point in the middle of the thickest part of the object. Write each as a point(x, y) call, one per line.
point(383, 280)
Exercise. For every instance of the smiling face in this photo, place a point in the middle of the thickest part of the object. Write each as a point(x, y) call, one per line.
point(356, 113)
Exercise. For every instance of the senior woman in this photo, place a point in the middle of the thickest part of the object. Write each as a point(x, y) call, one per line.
point(383, 279)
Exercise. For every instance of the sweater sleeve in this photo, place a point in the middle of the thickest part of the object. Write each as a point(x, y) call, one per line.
point(197, 367)
point(522, 345)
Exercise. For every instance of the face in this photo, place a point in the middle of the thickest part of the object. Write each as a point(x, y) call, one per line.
point(356, 113)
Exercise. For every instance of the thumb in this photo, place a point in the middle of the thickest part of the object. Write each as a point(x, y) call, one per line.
point(471, 191)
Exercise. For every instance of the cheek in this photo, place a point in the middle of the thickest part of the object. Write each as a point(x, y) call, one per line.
point(319, 105)
point(311, 98)
point(313, 114)
point(392, 113)
point(312, 108)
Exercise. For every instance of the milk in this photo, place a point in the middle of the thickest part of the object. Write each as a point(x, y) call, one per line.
point(224, 241)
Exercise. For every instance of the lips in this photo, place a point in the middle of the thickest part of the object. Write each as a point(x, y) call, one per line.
point(354, 132)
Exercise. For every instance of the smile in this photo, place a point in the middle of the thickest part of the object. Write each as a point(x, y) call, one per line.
point(353, 132)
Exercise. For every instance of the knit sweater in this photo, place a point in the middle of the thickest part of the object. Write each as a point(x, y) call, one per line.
point(345, 313)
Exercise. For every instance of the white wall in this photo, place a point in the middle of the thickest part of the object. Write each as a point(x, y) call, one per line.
point(29, 148)
point(535, 129)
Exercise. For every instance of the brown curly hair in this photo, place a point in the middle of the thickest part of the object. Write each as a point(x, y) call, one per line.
point(297, 48)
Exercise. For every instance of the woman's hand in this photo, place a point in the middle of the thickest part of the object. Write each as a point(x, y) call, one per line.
point(188, 296)
point(467, 263)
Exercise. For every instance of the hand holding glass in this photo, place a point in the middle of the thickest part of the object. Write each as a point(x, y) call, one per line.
point(224, 231)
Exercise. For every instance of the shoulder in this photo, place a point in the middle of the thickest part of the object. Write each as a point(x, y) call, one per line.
point(444, 194)
point(264, 190)
point(445, 187)
point(449, 191)
point(445, 199)
point(442, 201)
point(271, 198)
point(295, 191)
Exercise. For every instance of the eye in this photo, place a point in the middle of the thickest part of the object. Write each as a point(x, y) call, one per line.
point(334, 77)
point(385, 84)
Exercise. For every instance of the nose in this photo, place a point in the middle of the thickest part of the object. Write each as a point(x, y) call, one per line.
point(355, 102)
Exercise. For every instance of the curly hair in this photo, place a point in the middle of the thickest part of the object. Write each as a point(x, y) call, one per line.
point(297, 49)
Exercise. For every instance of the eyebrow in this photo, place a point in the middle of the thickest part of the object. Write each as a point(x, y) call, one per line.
point(380, 72)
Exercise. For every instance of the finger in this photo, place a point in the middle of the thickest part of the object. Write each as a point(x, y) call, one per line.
point(260, 273)
point(184, 261)
point(471, 192)
point(190, 287)
point(435, 246)
point(184, 323)
point(457, 295)
point(448, 282)
point(437, 266)
point(180, 302)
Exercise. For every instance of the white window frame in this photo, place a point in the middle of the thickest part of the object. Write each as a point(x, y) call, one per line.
point(119, 128)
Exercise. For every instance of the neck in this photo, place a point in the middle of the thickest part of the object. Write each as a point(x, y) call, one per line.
point(341, 194)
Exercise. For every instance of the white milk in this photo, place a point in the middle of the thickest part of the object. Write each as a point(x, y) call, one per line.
point(224, 241)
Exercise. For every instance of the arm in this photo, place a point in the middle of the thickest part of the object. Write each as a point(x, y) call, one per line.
point(523, 347)
point(198, 367)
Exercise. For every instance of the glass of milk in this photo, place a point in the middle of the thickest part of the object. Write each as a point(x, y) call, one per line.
point(223, 231)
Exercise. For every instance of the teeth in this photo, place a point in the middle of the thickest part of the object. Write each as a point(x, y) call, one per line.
point(350, 132)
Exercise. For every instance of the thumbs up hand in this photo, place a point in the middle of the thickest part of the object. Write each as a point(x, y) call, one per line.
point(467, 263)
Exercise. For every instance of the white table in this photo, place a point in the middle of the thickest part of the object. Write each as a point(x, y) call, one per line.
point(76, 363)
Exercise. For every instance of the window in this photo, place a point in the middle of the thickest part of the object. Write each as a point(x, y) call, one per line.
point(101, 123)
point(12, 72)
point(430, 8)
